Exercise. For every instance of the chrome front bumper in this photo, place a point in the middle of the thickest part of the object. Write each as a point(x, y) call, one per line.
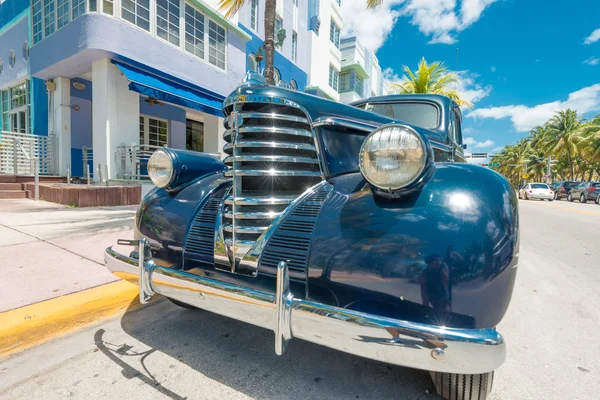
point(415, 345)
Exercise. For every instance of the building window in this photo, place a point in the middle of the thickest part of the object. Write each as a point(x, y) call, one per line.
point(217, 43)
point(77, 8)
point(14, 106)
point(12, 59)
point(253, 14)
point(167, 20)
point(62, 13)
point(194, 31)
point(48, 17)
point(153, 131)
point(339, 2)
point(194, 135)
point(36, 13)
point(334, 34)
point(137, 12)
point(294, 46)
point(359, 84)
point(278, 26)
point(197, 27)
point(344, 82)
point(108, 7)
point(333, 77)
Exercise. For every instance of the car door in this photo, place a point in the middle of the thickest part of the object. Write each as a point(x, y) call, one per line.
point(576, 191)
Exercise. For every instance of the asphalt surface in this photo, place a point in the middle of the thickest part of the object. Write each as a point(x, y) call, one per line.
point(163, 351)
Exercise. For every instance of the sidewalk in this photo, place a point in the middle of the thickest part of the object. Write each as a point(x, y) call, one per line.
point(48, 250)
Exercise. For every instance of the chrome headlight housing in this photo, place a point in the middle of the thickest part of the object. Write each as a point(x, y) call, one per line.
point(393, 157)
point(160, 168)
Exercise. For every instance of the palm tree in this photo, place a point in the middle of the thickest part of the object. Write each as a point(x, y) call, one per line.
point(231, 7)
point(564, 136)
point(429, 78)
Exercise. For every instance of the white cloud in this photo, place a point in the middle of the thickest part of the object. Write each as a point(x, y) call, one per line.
point(469, 89)
point(493, 69)
point(592, 61)
point(441, 20)
point(524, 118)
point(498, 149)
point(480, 145)
point(370, 26)
point(469, 131)
point(487, 143)
point(593, 38)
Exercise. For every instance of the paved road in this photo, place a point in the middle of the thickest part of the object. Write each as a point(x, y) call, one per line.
point(163, 351)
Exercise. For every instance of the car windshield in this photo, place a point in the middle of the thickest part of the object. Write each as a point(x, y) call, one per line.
point(424, 115)
point(595, 185)
point(570, 185)
point(539, 186)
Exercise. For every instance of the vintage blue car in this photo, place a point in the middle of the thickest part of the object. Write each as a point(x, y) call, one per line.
point(357, 227)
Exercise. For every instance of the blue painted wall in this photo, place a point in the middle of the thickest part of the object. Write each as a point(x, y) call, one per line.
point(13, 39)
point(39, 107)
point(175, 116)
point(70, 52)
point(287, 69)
point(81, 125)
point(11, 9)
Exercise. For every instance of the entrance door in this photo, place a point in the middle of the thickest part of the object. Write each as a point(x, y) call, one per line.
point(194, 135)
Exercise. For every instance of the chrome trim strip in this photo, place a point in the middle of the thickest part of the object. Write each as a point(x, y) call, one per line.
point(252, 215)
point(259, 172)
point(254, 201)
point(393, 341)
point(275, 116)
point(276, 129)
point(244, 229)
point(280, 145)
point(287, 159)
point(344, 122)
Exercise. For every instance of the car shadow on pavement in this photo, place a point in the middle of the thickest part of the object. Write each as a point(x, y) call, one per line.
point(242, 357)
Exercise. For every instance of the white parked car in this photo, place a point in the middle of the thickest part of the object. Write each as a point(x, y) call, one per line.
point(539, 191)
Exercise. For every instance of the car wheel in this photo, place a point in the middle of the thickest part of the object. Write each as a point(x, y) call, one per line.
point(462, 386)
point(598, 199)
point(569, 197)
point(556, 196)
point(183, 305)
point(550, 199)
point(582, 198)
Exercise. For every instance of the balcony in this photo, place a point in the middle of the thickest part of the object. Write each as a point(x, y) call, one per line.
point(353, 58)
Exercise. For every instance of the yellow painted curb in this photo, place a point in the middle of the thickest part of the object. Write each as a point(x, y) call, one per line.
point(26, 326)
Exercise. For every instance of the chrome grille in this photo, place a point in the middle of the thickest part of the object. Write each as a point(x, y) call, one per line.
point(273, 159)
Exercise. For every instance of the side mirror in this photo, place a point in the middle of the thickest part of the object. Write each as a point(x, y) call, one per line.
point(464, 146)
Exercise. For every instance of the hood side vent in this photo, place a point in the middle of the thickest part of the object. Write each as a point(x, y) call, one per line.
point(292, 240)
point(199, 242)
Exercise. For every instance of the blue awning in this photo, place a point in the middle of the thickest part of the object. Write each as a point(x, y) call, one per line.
point(165, 89)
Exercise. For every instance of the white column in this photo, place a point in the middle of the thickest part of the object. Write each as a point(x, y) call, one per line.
point(61, 123)
point(115, 115)
point(213, 135)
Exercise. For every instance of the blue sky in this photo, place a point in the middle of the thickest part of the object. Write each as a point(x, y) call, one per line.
point(519, 60)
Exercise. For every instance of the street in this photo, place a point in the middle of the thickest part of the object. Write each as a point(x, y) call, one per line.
point(163, 351)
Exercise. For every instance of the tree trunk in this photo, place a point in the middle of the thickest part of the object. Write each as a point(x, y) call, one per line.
point(269, 43)
point(571, 165)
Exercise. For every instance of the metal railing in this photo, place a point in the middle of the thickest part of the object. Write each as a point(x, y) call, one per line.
point(18, 152)
point(132, 161)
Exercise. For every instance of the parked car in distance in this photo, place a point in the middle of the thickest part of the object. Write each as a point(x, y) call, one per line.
point(540, 191)
point(562, 188)
point(585, 191)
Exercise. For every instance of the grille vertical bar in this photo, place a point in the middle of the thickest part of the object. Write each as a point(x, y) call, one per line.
point(273, 159)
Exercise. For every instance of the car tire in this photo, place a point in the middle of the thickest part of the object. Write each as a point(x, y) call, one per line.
point(183, 305)
point(556, 196)
point(598, 199)
point(550, 199)
point(570, 198)
point(463, 386)
point(582, 198)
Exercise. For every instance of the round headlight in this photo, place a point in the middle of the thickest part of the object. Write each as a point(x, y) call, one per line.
point(160, 168)
point(392, 157)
